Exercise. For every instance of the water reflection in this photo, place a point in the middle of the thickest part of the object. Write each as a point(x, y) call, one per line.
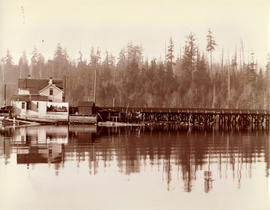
point(199, 158)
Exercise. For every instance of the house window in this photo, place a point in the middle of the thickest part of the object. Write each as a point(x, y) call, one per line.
point(37, 105)
point(23, 105)
point(28, 105)
point(51, 91)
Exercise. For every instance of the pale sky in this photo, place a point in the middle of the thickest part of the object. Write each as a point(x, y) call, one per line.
point(80, 24)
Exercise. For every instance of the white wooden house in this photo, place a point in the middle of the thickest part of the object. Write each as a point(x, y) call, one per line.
point(40, 100)
point(55, 93)
point(53, 89)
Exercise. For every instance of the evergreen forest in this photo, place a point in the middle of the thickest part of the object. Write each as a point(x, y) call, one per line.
point(191, 79)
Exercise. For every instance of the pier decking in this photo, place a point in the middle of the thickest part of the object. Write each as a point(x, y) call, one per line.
point(228, 118)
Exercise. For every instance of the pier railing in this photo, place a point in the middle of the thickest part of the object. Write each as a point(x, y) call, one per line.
point(186, 110)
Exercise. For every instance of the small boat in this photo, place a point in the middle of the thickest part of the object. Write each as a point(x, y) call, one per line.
point(7, 122)
point(44, 120)
point(117, 124)
point(82, 119)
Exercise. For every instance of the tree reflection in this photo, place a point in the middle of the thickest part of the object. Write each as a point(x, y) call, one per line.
point(206, 156)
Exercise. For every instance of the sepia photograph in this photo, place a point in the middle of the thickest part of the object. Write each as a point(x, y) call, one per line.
point(134, 105)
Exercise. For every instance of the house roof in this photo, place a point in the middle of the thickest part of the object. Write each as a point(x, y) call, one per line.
point(28, 98)
point(48, 86)
point(35, 85)
point(37, 158)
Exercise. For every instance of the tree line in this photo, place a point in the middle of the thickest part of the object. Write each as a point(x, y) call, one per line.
point(191, 79)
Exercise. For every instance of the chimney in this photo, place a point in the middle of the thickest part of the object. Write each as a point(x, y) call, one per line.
point(50, 81)
point(29, 76)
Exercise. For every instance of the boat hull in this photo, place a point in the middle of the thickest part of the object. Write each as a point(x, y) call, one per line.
point(83, 119)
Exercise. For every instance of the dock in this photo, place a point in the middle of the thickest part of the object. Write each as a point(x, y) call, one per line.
point(203, 117)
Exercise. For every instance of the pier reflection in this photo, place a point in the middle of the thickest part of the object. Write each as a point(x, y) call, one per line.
point(182, 156)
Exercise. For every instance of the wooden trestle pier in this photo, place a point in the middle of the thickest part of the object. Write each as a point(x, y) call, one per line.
point(223, 118)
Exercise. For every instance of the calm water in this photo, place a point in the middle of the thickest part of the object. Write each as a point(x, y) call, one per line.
point(80, 167)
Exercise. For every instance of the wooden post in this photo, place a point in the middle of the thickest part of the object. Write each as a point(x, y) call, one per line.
point(229, 87)
point(95, 84)
point(68, 114)
point(5, 94)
